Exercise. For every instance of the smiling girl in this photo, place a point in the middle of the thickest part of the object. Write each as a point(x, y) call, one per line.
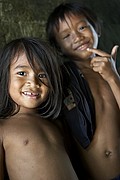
point(31, 145)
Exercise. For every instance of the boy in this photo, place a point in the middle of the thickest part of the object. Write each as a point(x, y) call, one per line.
point(92, 98)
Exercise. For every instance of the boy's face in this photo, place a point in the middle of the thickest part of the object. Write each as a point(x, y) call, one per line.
point(75, 35)
point(25, 87)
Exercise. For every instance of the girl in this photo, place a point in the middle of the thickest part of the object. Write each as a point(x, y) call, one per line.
point(31, 147)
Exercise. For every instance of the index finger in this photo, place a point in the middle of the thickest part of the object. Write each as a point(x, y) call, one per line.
point(98, 52)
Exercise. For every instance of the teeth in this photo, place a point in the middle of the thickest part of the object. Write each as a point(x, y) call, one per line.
point(81, 47)
point(30, 93)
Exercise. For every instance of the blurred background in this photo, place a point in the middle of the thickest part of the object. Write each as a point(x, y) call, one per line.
point(28, 18)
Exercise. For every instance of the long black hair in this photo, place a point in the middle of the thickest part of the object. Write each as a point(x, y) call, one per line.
point(37, 51)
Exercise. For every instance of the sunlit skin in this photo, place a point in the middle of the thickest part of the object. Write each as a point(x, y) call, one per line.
point(78, 40)
point(25, 86)
point(31, 147)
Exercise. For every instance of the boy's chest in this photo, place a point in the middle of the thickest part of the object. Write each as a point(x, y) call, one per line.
point(104, 100)
point(100, 89)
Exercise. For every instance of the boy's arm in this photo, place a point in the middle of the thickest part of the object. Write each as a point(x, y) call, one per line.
point(115, 81)
point(104, 64)
point(115, 86)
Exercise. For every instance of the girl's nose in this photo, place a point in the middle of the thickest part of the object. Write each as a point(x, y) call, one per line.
point(33, 82)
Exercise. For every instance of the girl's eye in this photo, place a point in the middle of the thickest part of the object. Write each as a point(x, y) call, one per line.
point(42, 76)
point(22, 73)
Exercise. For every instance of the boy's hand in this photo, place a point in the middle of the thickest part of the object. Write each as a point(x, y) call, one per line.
point(114, 52)
point(104, 63)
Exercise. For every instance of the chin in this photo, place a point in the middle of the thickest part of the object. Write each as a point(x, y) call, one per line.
point(85, 55)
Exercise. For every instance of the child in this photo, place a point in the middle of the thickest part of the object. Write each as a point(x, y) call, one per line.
point(31, 146)
point(92, 98)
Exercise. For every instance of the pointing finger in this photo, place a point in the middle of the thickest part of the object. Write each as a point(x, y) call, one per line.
point(98, 52)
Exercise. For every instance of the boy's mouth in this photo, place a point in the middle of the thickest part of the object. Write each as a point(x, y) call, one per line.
point(82, 47)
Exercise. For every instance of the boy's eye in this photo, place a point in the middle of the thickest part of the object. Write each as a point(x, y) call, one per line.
point(42, 76)
point(66, 36)
point(21, 73)
point(83, 27)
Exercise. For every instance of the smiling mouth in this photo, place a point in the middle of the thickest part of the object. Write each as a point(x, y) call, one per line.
point(82, 47)
point(30, 94)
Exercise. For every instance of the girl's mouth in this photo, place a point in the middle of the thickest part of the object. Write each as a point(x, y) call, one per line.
point(30, 94)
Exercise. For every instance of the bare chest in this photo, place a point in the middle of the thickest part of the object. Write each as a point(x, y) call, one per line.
point(104, 100)
point(100, 90)
point(30, 132)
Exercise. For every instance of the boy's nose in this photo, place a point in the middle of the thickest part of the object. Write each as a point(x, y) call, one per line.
point(77, 36)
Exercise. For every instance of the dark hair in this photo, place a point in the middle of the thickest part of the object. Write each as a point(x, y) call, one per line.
point(37, 51)
point(61, 11)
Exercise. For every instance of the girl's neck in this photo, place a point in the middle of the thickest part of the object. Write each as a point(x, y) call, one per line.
point(27, 111)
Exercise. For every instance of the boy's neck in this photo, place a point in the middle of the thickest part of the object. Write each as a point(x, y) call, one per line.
point(85, 64)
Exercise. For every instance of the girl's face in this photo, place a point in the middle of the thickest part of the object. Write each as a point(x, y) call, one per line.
point(75, 35)
point(25, 87)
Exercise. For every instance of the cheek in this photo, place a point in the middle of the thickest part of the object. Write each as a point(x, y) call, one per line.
point(45, 92)
point(14, 85)
point(14, 88)
point(14, 96)
point(66, 48)
point(63, 45)
point(12, 92)
point(11, 89)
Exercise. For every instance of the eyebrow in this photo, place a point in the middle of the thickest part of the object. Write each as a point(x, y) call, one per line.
point(21, 66)
point(66, 29)
point(24, 66)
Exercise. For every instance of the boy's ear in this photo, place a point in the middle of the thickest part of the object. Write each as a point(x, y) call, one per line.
point(98, 28)
point(99, 31)
point(99, 35)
